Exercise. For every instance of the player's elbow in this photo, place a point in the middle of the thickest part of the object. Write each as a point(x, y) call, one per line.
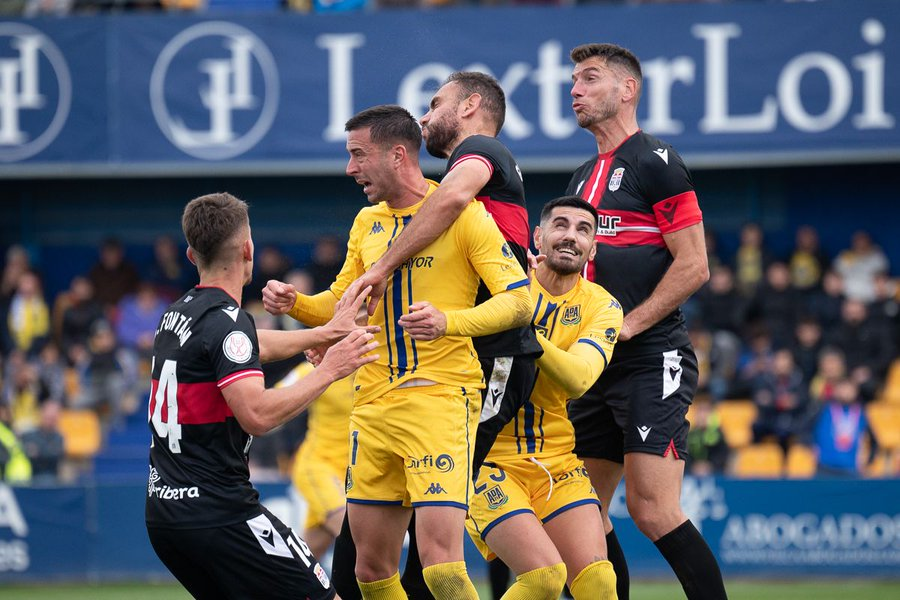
point(256, 425)
point(522, 307)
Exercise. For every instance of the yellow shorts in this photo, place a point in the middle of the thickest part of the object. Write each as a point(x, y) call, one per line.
point(518, 485)
point(321, 481)
point(414, 445)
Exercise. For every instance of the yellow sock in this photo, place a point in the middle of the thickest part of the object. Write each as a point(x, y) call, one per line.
point(545, 583)
point(597, 581)
point(449, 581)
point(383, 589)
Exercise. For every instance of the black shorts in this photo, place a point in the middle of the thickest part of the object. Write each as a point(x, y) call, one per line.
point(509, 382)
point(259, 558)
point(638, 405)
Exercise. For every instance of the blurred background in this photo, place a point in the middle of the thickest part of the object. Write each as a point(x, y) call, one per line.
point(115, 113)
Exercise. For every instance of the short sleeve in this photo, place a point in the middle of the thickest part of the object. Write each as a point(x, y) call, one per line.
point(234, 347)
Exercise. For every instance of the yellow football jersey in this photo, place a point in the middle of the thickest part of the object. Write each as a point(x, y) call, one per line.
point(446, 274)
point(588, 315)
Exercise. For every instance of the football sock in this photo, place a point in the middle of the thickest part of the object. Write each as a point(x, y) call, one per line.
point(693, 562)
point(413, 580)
point(343, 564)
point(499, 576)
point(384, 589)
point(545, 583)
point(617, 558)
point(450, 581)
point(596, 581)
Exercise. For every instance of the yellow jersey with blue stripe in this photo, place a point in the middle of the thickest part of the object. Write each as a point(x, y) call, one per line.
point(586, 321)
point(328, 423)
point(446, 274)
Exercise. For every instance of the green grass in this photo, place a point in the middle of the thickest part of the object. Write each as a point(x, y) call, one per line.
point(740, 590)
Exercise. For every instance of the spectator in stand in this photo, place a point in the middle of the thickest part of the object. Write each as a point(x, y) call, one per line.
point(28, 319)
point(80, 314)
point(723, 311)
point(867, 347)
point(708, 451)
point(712, 252)
point(807, 345)
point(859, 265)
point(751, 260)
point(171, 273)
point(328, 257)
point(105, 376)
point(44, 446)
point(271, 263)
point(825, 304)
point(113, 276)
point(776, 305)
point(22, 393)
point(753, 362)
point(15, 468)
point(138, 318)
point(808, 261)
point(832, 368)
point(839, 431)
point(885, 308)
point(51, 373)
point(782, 400)
point(17, 264)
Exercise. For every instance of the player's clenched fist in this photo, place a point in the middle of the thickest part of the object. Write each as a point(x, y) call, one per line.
point(278, 297)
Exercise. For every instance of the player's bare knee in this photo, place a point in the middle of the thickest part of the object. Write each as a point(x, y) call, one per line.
point(369, 571)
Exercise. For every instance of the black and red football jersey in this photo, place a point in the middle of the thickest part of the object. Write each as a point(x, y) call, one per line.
point(504, 198)
point(198, 451)
point(642, 190)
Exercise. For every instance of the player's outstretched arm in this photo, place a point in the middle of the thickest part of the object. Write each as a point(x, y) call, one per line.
point(259, 410)
point(442, 208)
point(281, 298)
point(278, 345)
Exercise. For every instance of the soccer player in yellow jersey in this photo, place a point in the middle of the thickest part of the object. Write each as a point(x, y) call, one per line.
point(320, 463)
point(416, 408)
point(534, 505)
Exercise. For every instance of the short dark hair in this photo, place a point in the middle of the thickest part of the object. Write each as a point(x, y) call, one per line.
point(389, 124)
point(493, 99)
point(615, 56)
point(210, 221)
point(573, 201)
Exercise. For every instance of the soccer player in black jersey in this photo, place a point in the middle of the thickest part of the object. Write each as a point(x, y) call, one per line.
point(207, 401)
point(651, 256)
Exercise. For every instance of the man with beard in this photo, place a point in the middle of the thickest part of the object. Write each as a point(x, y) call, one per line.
point(534, 505)
point(465, 116)
point(651, 255)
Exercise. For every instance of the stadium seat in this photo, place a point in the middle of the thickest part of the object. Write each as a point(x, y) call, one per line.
point(891, 391)
point(81, 433)
point(736, 419)
point(765, 460)
point(801, 462)
point(884, 417)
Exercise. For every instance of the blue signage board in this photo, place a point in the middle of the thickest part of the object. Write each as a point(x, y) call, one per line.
point(744, 84)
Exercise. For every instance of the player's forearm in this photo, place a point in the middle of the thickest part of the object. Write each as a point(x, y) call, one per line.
point(279, 405)
point(279, 345)
point(314, 310)
point(438, 212)
point(685, 276)
point(574, 370)
point(506, 310)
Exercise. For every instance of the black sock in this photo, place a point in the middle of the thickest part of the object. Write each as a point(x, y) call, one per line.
point(413, 580)
point(498, 573)
point(693, 562)
point(620, 566)
point(343, 564)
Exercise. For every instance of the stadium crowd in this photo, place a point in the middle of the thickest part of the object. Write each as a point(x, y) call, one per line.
point(32, 8)
point(804, 343)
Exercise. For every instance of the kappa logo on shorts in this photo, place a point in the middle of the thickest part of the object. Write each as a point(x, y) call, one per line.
point(435, 489)
point(496, 497)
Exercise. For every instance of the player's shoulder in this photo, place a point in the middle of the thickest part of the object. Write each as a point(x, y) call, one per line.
point(651, 153)
point(598, 297)
point(484, 145)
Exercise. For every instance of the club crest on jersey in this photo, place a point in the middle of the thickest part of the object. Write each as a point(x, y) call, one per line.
point(611, 335)
point(572, 315)
point(606, 224)
point(496, 497)
point(237, 347)
point(615, 180)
